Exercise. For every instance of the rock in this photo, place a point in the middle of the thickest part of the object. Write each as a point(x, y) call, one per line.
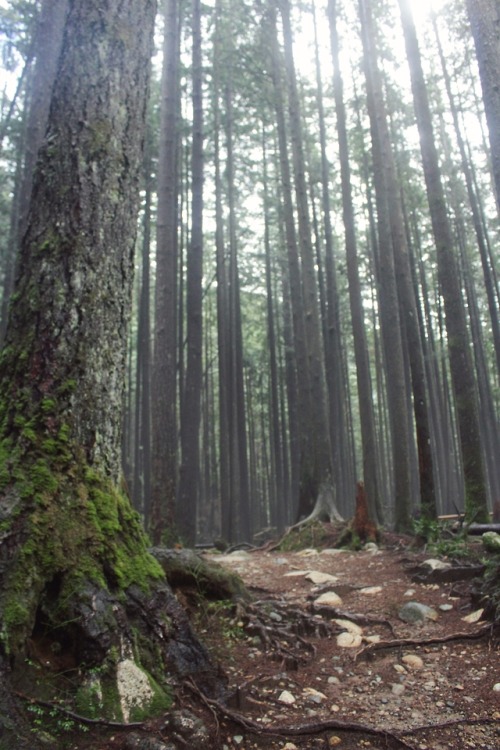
point(397, 688)
point(474, 616)
point(139, 742)
point(295, 573)
point(371, 590)
point(446, 607)
point(436, 564)
point(413, 612)
point(190, 730)
point(238, 739)
point(307, 552)
point(329, 599)
point(334, 741)
point(412, 661)
point(371, 547)
point(496, 687)
point(317, 577)
point(491, 541)
point(349, 640)
point(287, 698)
point(351, 627)
point(314, 695)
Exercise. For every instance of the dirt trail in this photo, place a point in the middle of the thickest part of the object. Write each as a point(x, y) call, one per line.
point(308, 664)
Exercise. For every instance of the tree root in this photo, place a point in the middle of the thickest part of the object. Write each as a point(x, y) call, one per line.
point(77, 717)
point(318, 727)
point(366, 651)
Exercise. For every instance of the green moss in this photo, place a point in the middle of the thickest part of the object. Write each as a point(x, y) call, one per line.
point(48, 405)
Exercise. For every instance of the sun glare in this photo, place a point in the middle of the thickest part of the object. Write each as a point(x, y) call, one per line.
point(422, 9)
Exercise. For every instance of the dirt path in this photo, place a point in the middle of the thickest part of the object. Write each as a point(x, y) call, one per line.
point(298, 663)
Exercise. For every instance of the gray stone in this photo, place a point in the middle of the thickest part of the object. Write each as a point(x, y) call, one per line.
point(413, 612)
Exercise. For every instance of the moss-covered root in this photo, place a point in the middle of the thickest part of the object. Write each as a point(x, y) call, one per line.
point(185, 569)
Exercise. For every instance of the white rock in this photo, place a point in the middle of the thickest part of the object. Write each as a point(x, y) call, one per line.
point(329, 599)
point(317, 577)
point(332, 551)
point(290, 746)
point(287, 698)
point(409, 592)
point(307, 552)
point(133, 686)
point(296, 573)
point(349, 640)
point(399, 668)
point(412, 661)
point(371, 590)
point(433, 564)
point(372, 638)
point(371, 547)
point(474, 616)
point(446, 607)
point(496, 687)
point(314, 693)
point(351, 627)
point(238, 738)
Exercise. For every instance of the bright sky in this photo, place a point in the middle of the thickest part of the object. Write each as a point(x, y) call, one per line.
point(422, 8)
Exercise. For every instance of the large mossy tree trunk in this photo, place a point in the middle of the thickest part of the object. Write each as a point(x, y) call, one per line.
point(78, 587)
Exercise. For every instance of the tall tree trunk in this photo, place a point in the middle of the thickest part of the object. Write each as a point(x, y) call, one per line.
point(75, 567)
point(388, 296)
point(365, 397)
point(189, 478)
point(316, 456)
point(484, 16)
point(46, 50)
point(164, 372)
point(462, 372)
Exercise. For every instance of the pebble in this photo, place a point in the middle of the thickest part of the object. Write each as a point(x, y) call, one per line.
point(496, 687)
point(317, 577)
point(412, 661)
point(333, 741)
point(397, 688)
point(371, 590)
point(437, 564)
point(446, 607)
point(287, 698)
point(349, 640)
point(333, 681)
point(238, 739)
point(474, 616)
point(413, 612)
point(351, 627)
point(290, 746)
point(329, 599)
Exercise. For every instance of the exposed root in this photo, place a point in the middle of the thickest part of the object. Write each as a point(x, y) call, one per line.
point(366, 651)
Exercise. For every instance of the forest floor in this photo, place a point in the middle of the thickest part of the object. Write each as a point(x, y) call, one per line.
point(308, 670)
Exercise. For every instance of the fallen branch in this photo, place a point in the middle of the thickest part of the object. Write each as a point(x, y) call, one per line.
point(402, 642)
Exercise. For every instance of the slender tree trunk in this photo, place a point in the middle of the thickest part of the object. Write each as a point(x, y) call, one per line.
point(164, 373)
point(461, 368)
point(189, 478)
point(388, 297)
point(484, 16)
point(365, 396)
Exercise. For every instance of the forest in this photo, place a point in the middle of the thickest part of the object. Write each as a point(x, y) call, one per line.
point(248, 276)
point(316, 295)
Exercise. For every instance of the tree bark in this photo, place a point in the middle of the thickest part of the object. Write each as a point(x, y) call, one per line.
point(76, 577)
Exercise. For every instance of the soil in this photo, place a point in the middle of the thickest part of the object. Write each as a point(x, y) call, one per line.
point(430, 685)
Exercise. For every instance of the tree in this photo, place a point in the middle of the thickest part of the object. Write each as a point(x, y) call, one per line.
point(189, 478)
point(461, 368)
point(76, 577)
point(164, 381)
point(484, 16)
